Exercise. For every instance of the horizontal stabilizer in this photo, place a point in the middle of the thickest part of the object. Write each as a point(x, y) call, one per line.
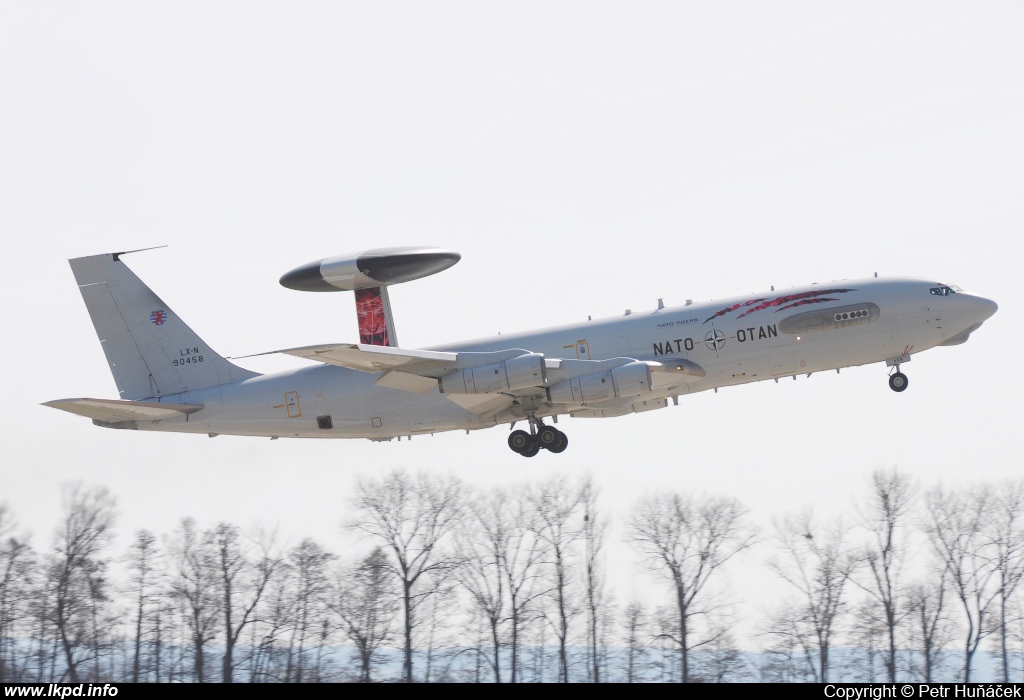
point(117, 411)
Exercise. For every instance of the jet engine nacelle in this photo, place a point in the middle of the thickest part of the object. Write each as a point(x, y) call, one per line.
point(624, 381)
point(520, 372)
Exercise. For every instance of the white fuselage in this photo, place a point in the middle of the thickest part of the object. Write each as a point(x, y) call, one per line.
point(735, 341)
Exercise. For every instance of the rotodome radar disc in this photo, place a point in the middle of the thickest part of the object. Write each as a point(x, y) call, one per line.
point(370, 268)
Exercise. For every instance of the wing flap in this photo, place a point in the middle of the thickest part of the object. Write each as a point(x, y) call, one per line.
point(480, 404)
point(117, 411)
point(404, 381)
point(376, 358)
point(383, 358)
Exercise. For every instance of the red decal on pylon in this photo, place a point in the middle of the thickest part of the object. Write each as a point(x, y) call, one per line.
point(373, 326)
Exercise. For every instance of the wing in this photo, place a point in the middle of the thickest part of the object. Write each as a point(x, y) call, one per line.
point(408, 370)
point(418, 371)
point(118, 411)
point(379, 358)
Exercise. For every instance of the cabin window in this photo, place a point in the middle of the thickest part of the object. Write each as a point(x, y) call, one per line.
point(324, 422)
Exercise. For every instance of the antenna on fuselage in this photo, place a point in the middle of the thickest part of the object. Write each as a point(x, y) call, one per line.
point(369, 274)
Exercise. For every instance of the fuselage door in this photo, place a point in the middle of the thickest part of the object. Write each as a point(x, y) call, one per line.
point(291, 400)
point(582, 350)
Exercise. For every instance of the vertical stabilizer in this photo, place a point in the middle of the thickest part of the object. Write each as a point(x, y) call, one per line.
point(150, 350)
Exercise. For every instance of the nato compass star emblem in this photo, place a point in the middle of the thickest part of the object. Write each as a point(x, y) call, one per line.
point(715, 340)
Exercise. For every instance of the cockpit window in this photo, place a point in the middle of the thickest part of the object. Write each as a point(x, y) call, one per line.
point(945, 290)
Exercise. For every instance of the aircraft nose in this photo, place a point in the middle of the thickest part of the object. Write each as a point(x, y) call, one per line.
point(984, 308)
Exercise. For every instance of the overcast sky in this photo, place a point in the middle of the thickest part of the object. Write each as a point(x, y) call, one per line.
point(584, 158)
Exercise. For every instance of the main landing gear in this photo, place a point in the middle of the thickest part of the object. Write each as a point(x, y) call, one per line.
point(541, 436)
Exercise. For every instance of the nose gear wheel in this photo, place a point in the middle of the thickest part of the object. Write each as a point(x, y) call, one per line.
point(898, 381)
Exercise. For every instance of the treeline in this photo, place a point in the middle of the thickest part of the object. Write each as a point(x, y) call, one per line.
point(510, 585)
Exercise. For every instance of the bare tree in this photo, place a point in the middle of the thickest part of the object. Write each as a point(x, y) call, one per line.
point(930, 628)
point(520, 563)
point(1015, 623)
point(784, 659)
point(366, 602)
point(43, 628)
point(721, 661)
point(818, 563)
point(411, 517)
point(500, 555)
point(162, 620)
point(956, 525)
point(634, 623)
point(867, 635)
point(75, 566)
point(557, 505)
point(1006, 532)
point(244, 568)
point(194, 585)
point(687, 540)
point(889, 504)
point(310, 563)
point(15, 589)
point(595, 533)
point(665, 633)
point(141, 563)
point(102, 623)
point(481, 544)
point(439, 605)
point(269, 653)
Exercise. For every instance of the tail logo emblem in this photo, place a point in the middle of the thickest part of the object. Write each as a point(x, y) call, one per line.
point(158, 318)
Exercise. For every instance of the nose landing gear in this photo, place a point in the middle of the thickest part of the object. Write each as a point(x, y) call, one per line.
point(898, 381)
point(540, 436)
